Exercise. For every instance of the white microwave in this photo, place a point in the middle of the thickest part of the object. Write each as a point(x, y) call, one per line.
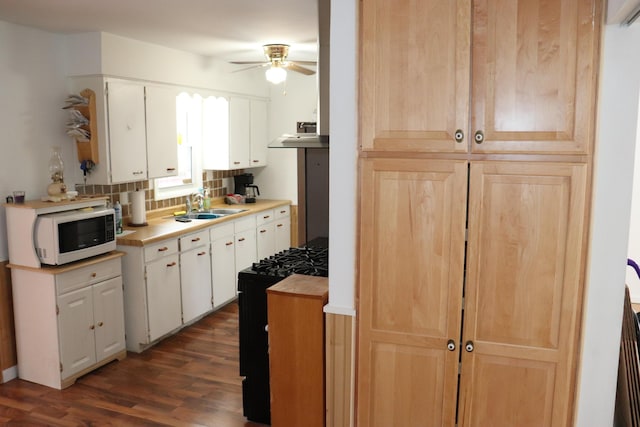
point(63, 237)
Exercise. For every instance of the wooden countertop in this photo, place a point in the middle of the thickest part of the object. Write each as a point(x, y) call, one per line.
point(302, 286)
point(165, 226)
point(58, 269)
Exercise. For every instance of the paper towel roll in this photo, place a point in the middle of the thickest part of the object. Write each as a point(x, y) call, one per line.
point(138, 208)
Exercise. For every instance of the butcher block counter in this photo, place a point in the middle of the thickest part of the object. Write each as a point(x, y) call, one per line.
point(162, 225)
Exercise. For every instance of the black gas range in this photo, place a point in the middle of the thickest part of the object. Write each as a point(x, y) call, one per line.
point(311, 259)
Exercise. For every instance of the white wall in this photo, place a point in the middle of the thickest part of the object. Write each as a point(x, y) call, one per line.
point(613, 175)
point(291, 102)
point(31, 118)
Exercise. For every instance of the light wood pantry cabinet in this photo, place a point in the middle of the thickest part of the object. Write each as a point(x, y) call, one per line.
point(69, 320)
point(195, 275)
point(524, 71)
point(483, 329)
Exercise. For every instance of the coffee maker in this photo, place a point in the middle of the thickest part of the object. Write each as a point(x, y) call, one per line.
point(243, 185)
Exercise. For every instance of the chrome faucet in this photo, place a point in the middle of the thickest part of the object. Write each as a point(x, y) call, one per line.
point(197, 202)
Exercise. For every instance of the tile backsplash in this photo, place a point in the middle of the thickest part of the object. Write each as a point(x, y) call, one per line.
point(213, 180)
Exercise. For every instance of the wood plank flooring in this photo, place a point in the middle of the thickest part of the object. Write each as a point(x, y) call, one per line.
point(189, 379)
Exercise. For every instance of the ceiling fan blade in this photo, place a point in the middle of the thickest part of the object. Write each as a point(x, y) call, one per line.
point(258, 65)
point(305, 62)
point(248, 62)
point(295, 67)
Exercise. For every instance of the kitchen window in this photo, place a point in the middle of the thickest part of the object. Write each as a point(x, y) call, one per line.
point(189, 139)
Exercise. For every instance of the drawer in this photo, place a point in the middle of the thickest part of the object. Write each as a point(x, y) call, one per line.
point(158, 250)
point(246, 223)
point(265, 216)
point(282, 211)
point(87, 275)
point(222, 230)
point(194, 240)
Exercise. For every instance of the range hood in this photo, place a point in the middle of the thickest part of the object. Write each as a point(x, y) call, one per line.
point(319, 139)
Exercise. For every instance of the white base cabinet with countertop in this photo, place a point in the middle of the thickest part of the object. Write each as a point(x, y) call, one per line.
point(273, 232)
point(69, 320)
point(151, 292)
point(223, 263)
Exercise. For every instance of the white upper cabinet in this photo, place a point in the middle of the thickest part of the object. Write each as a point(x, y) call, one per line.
point(126, 130)
point(136, 126)
point(162, 145)
point(258, 133)
point(234, 133)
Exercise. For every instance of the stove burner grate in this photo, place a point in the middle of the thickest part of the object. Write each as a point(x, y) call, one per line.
point(311, 261)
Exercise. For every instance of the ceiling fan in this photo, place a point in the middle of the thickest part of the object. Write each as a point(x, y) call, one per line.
point(276, 55)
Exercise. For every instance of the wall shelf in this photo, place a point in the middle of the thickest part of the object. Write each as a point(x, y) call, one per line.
point(88, 149)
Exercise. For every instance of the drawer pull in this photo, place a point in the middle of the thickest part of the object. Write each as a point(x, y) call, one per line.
point(228, 244)
point(197, 239)
point(256, 161)
point(282, 212)
point(163, 249)
point(266, 216)
point(279, 225)
point(263, 231)
point(138, 172)
point(241, 239)
point(236, 163)
point(170, 169)
point(171, 264)
point(201, 253)
point(100, 324)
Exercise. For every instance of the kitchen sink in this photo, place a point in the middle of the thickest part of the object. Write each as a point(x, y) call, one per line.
point(200, 215)
point(226, 211)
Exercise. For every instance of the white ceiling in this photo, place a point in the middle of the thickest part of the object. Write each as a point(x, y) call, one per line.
point(230, 30)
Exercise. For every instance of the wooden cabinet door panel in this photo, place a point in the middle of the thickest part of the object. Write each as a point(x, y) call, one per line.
point(524, 264)
point(533, 80)
point(414, 74)
point(411, 274)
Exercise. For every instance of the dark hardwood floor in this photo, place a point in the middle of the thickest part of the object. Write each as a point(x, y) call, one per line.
point(189, 379)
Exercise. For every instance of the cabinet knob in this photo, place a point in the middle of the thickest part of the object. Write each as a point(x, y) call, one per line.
point(92, 327)
point(451, 345)
point(93, 275)
point(479, 137)
point(469, 346)
point(459, 135)
point(100, 324)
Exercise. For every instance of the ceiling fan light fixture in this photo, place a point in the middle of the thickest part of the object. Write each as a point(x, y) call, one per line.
point(276, 74)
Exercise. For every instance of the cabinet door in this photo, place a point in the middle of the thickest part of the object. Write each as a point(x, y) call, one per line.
point(534, 75)
point(266, 240)
point(246, 252)
point(239, 133)
point(412, 240)
point(415, 83)
point(76, 329)
point(523, 293)
point(162, 137)
point(259, 133)
point(215, 133)
point(163, 296)
point(195, 273)
point(282, 234)
point(127, 132)
point(223, 271)
point(108, 308)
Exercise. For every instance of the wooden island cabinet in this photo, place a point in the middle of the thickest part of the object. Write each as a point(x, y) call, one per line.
point(296, 350)
point(476, 140)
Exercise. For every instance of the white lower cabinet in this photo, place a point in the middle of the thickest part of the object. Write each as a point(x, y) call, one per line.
point(69, 320)
point(273, 231)
point(195, 275)
point(151, 292)
point(245, 239)
point(223, 263)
